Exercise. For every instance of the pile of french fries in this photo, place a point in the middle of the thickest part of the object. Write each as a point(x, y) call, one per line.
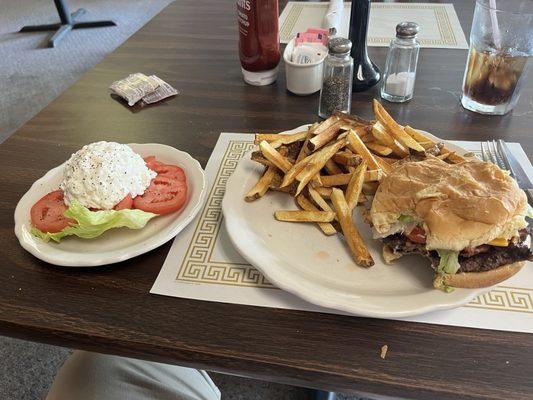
point(334, 165)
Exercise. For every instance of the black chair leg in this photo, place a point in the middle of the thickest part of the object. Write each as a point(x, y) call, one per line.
point(68, 22)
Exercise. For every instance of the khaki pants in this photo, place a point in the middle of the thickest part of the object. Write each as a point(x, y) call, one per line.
point(92, 376)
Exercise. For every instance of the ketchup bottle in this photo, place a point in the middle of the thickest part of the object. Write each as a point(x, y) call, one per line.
point(258, 40)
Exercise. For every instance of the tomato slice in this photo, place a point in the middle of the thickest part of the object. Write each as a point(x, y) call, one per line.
point(165, 195)
point(47, 214)
point(125, 203)
point(162, 169)
point(417, 235)
point(148, 160)
point(168, 170)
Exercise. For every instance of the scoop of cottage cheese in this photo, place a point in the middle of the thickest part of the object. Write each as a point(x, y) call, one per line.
point(101, 174)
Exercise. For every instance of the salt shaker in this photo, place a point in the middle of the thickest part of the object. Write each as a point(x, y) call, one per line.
point(336, 93)
point(400, 68)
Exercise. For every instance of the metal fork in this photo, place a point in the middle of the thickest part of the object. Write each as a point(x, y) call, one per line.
point(494, 153)
point(490, 153)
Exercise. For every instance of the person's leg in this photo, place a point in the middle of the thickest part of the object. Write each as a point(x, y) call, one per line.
point(93, 376)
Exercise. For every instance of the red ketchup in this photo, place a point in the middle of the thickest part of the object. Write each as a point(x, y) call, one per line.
point(258, 40)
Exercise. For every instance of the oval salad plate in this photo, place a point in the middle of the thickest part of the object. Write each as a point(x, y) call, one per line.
point(300, 259)
point(114, 245)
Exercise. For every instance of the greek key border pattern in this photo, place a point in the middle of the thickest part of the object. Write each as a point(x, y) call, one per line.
point(505, 298)
point(441, 15)
point(197, 265)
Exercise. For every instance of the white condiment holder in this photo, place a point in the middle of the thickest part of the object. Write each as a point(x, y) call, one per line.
point(302, 79)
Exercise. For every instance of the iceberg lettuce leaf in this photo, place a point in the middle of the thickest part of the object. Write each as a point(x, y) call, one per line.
point(91, 224)
point(449, 261)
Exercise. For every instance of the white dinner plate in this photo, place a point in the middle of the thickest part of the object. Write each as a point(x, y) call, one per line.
point(298, 258)
point(114, 245)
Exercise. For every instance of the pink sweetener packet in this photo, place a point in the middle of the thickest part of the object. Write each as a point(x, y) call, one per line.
point(305, 37)
point(318, 30)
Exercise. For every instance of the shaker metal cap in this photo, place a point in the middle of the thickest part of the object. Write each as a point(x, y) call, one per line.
point(339, 45)
point(407, 30)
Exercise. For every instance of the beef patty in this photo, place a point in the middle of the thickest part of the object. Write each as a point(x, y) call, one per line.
point(483, 258)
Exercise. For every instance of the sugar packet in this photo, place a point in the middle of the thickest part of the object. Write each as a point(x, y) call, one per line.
point(162, 92)
point(134, 87)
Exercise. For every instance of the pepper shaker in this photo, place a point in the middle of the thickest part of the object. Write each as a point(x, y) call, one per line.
point(336, 92)
point(400, 68)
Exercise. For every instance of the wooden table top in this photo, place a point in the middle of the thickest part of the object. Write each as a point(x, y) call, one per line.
point(193, 45)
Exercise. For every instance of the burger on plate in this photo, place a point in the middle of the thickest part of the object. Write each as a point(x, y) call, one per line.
point(469, 219)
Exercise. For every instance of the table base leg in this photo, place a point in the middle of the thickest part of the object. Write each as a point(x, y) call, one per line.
point(63, 29)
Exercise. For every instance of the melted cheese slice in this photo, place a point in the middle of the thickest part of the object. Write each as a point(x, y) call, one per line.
point(500, 242)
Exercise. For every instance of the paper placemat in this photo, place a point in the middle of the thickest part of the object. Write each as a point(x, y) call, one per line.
point(202, 263)
point(439, 25)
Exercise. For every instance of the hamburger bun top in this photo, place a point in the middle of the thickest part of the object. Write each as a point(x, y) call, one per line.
point(459, 205)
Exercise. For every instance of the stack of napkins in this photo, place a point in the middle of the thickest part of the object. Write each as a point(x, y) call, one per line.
point(149, 89)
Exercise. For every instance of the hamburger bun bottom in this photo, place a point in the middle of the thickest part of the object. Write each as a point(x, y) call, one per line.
point(474, 280)
point(465, 280)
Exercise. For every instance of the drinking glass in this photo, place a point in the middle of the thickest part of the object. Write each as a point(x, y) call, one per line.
point(501, 46)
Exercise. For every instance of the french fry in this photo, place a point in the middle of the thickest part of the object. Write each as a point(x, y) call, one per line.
point(305, 204)
point(304, 151)
point(454, 158)
point(331, 167)
point(342, 135)
point(274, 156)
point(355, 186)
point(394, 128)
point(319, 200)
point(288, 139)
point(383, 137)
point(304, 216)
point(444, 156)
point(374, 175)
point(344, 179)
point(324, 125)
point(269, 137)
point(335, 180)
point(357, 146)
point(316, 181)
point(325, 136)
point(362, 130)
point(384, 164)
point(291, 174)
point(257, 156)
point(427, 143)
point(368, 138)
point(280, 137)
point(317, 162)
point(346, 125)
point(359, 251)
point(416, 135)
point(262, 185)
point(350, 122)
point(347, 158)
point(324, 191)
point(276, 182)
point(379, 148)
